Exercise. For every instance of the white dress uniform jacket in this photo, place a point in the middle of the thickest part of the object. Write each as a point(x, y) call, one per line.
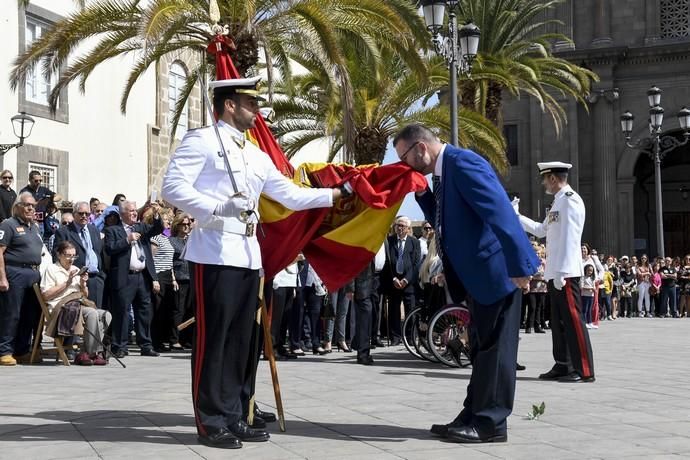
point(563, 230)
point(196, 181)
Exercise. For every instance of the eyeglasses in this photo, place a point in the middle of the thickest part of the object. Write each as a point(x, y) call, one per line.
point(401, 225)
point(69, 256)
point(184, 224)
point(7, 177)
point(427, 228)
point(27, 205)
point(64, 223)
point(82, 213)
point(402, 157)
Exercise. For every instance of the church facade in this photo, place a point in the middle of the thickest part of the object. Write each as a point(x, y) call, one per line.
point(631, 45)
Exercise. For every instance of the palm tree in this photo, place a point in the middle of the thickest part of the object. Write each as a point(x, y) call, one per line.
point(386, 97)
point(515, 55)
point(152, 29)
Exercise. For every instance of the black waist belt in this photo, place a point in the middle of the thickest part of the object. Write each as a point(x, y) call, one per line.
point(135, 272)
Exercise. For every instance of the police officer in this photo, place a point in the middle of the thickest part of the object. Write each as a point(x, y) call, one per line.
point(224, 253)
point(20, 255)
point(562, 227)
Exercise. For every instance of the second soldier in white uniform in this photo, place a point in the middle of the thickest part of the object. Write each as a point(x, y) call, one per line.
point(562, 228)
point(225, 255)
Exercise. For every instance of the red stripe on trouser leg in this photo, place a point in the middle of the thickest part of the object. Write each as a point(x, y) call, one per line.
point(200, 343)
point(579, 332)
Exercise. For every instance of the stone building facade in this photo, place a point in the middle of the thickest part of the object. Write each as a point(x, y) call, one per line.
point(631, 45)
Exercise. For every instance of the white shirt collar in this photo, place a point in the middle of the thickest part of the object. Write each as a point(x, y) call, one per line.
point(234, 132)
point(562, 191)
point(438, 167)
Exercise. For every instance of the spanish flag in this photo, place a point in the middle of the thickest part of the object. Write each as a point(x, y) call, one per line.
point(340, 241)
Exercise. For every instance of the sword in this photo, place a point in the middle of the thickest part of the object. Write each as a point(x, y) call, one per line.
point(221, 152)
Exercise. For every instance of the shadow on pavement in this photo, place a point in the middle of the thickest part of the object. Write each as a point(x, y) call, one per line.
point(167, 428)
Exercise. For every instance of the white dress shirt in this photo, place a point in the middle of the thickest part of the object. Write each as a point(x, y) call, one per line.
point(196, 181)
point(563, 230)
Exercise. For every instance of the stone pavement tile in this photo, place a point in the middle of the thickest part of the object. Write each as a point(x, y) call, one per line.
point(249, 451)
point(543, 432)
point(666, 443)
point(33, 449)
point(455, 453)
point(607, 448)
point(325, 448)
point(527, 451)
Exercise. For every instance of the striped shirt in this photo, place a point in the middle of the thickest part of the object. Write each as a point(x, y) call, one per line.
point(163, 258)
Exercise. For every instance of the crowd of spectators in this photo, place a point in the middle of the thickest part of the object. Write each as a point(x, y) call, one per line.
point(128, 262)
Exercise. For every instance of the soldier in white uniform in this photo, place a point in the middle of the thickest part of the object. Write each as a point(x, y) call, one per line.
point(224, 253)
point(562, 228)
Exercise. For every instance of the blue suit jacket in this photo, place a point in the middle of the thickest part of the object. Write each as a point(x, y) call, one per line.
point(482, 236)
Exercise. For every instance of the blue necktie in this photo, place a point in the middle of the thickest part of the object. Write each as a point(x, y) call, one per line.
point(399, 267)
point(438, 196)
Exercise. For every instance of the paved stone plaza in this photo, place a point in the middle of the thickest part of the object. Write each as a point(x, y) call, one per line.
point(638, 407)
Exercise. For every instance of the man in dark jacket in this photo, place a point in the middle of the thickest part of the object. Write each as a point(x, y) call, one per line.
point(132, 275)
point(403, 257)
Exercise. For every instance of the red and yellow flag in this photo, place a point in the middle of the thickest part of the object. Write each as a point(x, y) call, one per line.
point(340, 241)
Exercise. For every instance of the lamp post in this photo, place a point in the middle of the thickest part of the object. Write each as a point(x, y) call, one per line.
point(22, 124)
point(656, 146)
point(458, 47)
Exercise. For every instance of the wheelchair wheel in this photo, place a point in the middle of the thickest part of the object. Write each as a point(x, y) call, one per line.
point(448, 336)
point(419, 338)
point(410, 331)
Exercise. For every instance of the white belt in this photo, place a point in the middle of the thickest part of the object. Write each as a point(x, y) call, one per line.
point(230, 225)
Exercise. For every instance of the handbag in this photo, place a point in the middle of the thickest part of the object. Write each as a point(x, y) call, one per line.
point(68, 318)
point(327, 311)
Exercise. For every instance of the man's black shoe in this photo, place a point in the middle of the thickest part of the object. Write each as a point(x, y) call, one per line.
point(268, 417)
point(222, 439)
point(379, 343)
point(257, 423)
point(120, 354)
point(149, 352)
point(520, 367)
point(395, 342)
point(365, 360)
point(551, 375)
point(247, 434)
point(574, 377)
point(469, 434)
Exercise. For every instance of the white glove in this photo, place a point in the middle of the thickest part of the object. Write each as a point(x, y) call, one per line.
point(234, 206)
point(516, 205)
point(559, 282)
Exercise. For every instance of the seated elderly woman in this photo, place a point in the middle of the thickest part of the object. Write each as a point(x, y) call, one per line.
point(64, 289)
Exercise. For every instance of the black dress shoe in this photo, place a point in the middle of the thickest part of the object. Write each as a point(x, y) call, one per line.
point(574, 377)
point(222, 439)
point(365, 360)
point(469, 434)
point(149, 352)
point(241, 430)
point(551, 375)
point(395, 342)
point(119, 354)
point(379, 343)
point(257, 423)
point(539, 330)
point(519, 367)
point(268, 417)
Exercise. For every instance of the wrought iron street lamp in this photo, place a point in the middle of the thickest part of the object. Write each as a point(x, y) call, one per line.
point(656, 146)
point(22, 124)
point(458, 47)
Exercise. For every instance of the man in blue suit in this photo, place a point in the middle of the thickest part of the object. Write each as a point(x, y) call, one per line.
point(486, 254)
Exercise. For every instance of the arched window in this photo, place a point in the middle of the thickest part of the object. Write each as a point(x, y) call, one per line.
point(176, 80)
point(675, 18)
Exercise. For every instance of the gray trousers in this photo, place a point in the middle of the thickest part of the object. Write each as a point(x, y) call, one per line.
point(96, 321)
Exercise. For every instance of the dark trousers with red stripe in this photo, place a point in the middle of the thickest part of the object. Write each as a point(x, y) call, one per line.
point(226, 303)
point(572, 349)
